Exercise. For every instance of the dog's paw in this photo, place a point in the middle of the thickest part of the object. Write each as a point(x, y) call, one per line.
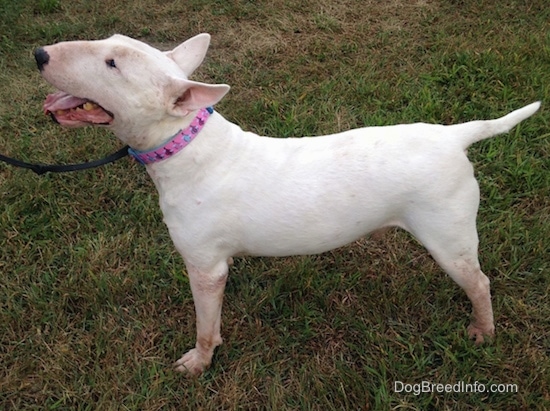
point(478, 333)
point(191, 363)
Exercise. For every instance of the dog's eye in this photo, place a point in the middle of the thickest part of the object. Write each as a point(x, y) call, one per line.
point(110, 63)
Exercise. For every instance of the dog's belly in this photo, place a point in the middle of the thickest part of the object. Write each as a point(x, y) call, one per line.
point(301, 240)
point(262, 223)
point(287, 227)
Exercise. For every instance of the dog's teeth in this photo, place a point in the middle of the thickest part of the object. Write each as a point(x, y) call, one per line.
point(88, 106)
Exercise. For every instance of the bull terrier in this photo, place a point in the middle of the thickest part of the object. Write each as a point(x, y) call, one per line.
point(225, 192)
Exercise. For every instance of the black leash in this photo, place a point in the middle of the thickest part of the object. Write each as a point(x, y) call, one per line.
point(63, 168)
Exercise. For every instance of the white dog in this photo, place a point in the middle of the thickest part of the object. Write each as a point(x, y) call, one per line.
point(225, 192)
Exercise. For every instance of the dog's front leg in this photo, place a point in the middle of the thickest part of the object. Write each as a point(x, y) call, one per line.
point(207, 286)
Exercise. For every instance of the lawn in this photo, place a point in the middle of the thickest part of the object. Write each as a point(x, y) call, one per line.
point(94, 300)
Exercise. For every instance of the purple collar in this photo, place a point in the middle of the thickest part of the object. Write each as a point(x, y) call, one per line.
point(176, 143)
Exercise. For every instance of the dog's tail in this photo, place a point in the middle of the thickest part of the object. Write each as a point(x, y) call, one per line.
point(475, 131)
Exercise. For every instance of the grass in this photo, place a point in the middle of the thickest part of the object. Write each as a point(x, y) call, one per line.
point(94, 303)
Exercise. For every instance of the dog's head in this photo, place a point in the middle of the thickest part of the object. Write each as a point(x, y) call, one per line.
point(124, 84)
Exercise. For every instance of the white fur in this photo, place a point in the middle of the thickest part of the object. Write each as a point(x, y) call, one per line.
point(231, 192)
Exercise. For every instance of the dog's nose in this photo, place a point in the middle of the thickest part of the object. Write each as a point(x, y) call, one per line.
point(42, 57)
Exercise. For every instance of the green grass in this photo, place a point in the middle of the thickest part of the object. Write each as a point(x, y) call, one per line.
point(94, 302)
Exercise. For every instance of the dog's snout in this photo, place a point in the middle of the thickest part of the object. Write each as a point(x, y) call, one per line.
point(42, 57)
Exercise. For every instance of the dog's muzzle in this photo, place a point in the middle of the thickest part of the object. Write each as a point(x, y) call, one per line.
point(42, 57)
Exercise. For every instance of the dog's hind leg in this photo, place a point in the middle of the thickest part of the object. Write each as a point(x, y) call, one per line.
point(465, 271)
point(449, 233)
point(207, 286)
point(458, 257)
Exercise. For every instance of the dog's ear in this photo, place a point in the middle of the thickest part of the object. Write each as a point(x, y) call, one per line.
point(187, 96)
point(190, 54)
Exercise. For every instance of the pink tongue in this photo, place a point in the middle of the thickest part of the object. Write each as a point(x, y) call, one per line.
point(60, 105)
point(61, 101)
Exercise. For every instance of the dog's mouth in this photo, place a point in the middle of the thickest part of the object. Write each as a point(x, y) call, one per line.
point(73, 111)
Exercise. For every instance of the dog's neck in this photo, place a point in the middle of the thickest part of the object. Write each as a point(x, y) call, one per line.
point(174, 144)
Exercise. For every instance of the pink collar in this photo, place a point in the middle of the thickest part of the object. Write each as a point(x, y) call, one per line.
point(176, 143)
